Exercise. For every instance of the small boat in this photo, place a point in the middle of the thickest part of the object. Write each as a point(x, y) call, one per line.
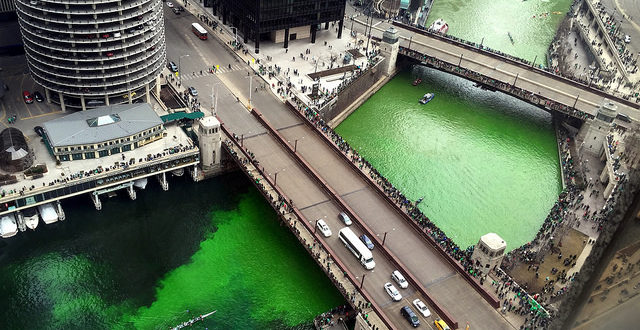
point(140, 183)
point(192, 321)
point(8, 226)
point(439, 26)
point(510, 37)
point(178, 172)
point(48, 213)
point(426, 98)
point(31, 217)
point(417, 82)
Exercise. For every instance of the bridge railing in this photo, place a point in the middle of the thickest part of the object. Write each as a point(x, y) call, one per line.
point(519, 62)
point(249, 165)
point(334, 195)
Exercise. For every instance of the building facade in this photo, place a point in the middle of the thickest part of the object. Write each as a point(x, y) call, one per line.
point(280, 20)
point(102, 132)
point(95, 52)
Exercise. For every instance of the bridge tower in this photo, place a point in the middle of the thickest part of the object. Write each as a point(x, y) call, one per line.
point(389, 49)
point(210, 141)
point(594, 132)
point(489, 252)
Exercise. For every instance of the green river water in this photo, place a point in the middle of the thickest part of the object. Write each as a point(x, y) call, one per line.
point(483, 161)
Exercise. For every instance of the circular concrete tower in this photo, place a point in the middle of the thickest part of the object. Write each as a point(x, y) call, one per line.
point(94, 52)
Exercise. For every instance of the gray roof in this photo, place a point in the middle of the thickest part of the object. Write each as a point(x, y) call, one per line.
point(74, 129)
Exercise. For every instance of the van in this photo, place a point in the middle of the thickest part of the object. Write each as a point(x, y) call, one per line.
point(441, 325)
point(345, 218)
point(410, 316)
point(398, 278)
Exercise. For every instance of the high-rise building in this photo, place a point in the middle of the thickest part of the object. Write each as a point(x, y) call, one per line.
point(280, 20)
point(95, 52)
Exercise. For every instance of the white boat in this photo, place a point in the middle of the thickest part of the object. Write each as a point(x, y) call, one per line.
point(140, 183)
point(8, 226)
point(439, 26)
point(31, 217)
point(192, 321)
point(426, 98)
point(178, 172)
point(48, 213)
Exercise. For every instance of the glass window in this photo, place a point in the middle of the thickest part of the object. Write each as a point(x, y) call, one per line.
point(77, 156)
point(115, 150)
point(89, 155)
point(103, 153)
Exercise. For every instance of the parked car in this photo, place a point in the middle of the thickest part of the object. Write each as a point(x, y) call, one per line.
point(627, 38)
point(169, 4)
point(172, 66)
point(28, 99)
point(39, 130)
point(117, 35)
point(402, 282)
point(422, 308)
point(365, 239)
point(410, 316)
point(323, 227)
point(441, 325)
point(345, 218)
point(193, 91)
point(176, 11)
point(392, 291)
point(181, 8)
point(109, 54)
point(38, 96)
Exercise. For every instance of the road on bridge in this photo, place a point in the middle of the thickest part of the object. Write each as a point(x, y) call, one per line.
point(436, 274)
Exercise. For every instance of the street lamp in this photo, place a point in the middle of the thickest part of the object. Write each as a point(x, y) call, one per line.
point(250, 80)
point(180, 67)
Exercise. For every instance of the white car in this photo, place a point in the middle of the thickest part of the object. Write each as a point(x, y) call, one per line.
point(402, 282)
point(392, 291)
point(324, 228)
point(627, 38)
point(169, 4)
point(422, 308)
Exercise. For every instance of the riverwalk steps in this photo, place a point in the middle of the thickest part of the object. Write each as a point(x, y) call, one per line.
point(342, 277)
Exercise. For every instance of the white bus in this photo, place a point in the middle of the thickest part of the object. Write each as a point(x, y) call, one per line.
point(199, 31)
point(353, 243)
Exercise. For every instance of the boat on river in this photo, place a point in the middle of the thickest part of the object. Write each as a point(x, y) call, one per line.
point(31, 217)
point(439, 26)
point(426, 98)
point(192, 321)
point(48, 213)
point(8, 226)
point(417, 82)
point(178, 172)
point(140, 183)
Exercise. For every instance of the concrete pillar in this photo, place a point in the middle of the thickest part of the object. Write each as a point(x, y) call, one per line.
point(82, 103)
point(163, 181)
point(326, 25)
point(608, 189)
point(132, 193)
point(147, 94)
point(286, 38)
point(47, 95)
point(604, 175)
point(96, 201)
point(61, 215)
point(314, 27)
point(340, 24)
point(64, 108)
point(130, 97)
point(158, 85)
point(106, 99)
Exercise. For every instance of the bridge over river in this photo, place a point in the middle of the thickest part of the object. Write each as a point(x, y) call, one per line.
point(516, 78)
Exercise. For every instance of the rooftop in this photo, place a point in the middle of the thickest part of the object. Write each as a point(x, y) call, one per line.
point(101, 124)
point(493, 241)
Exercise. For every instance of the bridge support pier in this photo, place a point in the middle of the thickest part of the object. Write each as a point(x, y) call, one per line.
point(163, 181)
point(132, 193)
point(96, 201)
point(61, 215)
point(194, 173)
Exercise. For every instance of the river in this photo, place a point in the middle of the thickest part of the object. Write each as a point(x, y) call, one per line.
point(161, 260)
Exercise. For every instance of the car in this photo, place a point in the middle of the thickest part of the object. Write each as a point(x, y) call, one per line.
point(28, 99)
point(345, 218)
point(323, 227)
point(95, 103)
point(422, 308)
point(169, 4)
point(172, 66)
point(38, 96)
point(109, 54)
point(176, 11)
point(106, 35)
point(410, 316)
point(627, 38)
point(39, 130)
point(131, 31)
point(441, 325)
point(365, 239)
point(193, 91)
point(117, 35)
point(392, 291)
point(402, 282)
point(181, 8)
point(33, 2)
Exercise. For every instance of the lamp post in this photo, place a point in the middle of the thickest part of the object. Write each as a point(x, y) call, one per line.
point(180, 67)
point(410, 38)
point(250, 81)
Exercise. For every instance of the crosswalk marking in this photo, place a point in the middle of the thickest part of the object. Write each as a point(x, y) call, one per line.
point(225, 69)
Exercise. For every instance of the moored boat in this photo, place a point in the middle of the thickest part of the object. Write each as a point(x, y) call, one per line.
point(426, 98)
point(417, 82)
point(439, 26)
point(8, 226)
point(48, 213)
point(140, 183)
point(31, 217)
point(192, 321)
point(178, 172)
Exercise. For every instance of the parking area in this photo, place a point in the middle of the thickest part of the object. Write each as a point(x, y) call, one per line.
point(17, 78)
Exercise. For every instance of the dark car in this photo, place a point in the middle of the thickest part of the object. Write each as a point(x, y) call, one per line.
point(38, 96)
point(181, 8)
point(39, 130)
point(193, 91)
point(410, 316)
point(172, 66)
point(365, 239)
point(176, 11)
